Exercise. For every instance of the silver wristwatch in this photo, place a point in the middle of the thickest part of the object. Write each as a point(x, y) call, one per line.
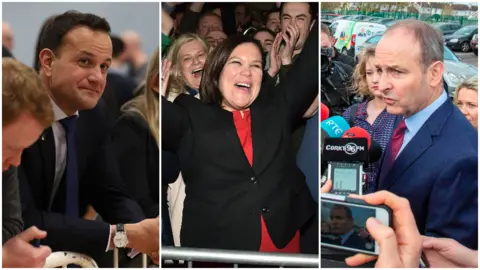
point(120, 239)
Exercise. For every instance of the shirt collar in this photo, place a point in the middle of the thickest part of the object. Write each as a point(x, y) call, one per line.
point(344, 237)
point(416, 121)
point(58, 114)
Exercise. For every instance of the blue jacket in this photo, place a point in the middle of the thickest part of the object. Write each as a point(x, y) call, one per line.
point(437, 172)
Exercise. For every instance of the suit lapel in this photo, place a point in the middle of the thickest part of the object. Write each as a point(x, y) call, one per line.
point(414, 149)
point(47, 151)
point(419, 144)
point(227, 126)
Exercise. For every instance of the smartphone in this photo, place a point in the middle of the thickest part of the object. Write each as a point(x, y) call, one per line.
point(344, 220)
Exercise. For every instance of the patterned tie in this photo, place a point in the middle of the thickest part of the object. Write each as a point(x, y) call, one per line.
point(71, 173)
point(393, 149)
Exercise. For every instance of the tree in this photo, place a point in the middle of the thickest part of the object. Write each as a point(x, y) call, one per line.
point(447, 9)
point(330, 6)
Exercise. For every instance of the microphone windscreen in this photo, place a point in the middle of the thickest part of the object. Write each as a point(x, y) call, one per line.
point(324, 112)
point(334, 126)
point(357, 132)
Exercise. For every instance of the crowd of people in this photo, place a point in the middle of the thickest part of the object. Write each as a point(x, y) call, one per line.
point(80, 148)
point(428, 173)
point(239, 110)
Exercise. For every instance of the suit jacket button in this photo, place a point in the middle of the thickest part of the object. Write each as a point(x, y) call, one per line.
point(253, 179)
point(265, 210)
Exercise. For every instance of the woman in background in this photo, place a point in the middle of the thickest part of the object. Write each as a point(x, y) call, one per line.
point(466, 98)
point(187, 55)
point(136, 143)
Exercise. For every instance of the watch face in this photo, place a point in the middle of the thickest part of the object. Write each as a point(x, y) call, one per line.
point(120, 240)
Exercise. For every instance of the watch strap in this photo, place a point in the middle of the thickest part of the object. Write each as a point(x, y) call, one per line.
point(120, 227)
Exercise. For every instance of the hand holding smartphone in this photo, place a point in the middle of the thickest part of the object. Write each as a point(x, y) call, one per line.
point(403, 250)
point(344, 223)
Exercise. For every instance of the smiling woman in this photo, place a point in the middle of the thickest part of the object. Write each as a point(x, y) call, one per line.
point(187, 55)
point(244, 189)
point(234, 74)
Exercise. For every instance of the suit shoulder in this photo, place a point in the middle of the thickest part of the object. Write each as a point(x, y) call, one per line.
point(133, 120)
point(460, 131)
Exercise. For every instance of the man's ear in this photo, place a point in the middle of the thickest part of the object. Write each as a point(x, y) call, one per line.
point(436, 73)
point(333, 40)
point(46, 57)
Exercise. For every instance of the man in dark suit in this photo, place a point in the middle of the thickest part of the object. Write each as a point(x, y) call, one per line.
point(342, 225)
point(432, 158)
point(71, 166)
point(26, 112)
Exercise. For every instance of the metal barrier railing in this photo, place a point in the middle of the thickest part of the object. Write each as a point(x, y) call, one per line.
point(115, 259)
point(238, 257)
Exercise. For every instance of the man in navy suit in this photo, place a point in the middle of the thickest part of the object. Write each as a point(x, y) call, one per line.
point(432, 158)
point(70, 165)
point(342, 223)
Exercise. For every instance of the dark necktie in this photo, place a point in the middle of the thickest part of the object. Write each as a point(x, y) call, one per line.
point(71, 173)
point(393, 149)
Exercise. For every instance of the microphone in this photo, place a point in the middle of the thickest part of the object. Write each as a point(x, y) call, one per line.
point(324, 112)
point(357, 132)
point(333, 127)
point(346, 157)
point(374, 149)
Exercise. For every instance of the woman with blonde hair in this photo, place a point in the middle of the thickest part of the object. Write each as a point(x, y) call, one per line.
point(466, 99)
point(187, 55)
point(136, 142)
point(371, 114)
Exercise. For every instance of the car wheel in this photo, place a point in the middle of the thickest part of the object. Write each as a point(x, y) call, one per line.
point(465, 47)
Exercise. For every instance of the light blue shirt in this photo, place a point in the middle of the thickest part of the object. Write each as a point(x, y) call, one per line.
point(416, 121)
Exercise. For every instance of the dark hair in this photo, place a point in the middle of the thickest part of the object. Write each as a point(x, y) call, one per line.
point(118, 46)
point(325, 29)
point(265, 30)
point(348, 211)
point(312, 8)
point(209, 85)
point(247, 9)
point(57, 27)
point(36, 60)
point(267, 14)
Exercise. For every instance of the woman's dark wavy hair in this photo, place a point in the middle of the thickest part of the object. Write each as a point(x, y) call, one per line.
point(209, 85)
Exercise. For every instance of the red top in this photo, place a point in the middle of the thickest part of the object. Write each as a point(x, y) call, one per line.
point(244, 131)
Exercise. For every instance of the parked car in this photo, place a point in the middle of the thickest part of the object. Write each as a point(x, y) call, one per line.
point(389, 23)
point(329, 16)
point(460, 40)
point(447, 28)
point(342, 17)
point(359, 18)
point(327, 22)
point(455, 70)
point(474, 44)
